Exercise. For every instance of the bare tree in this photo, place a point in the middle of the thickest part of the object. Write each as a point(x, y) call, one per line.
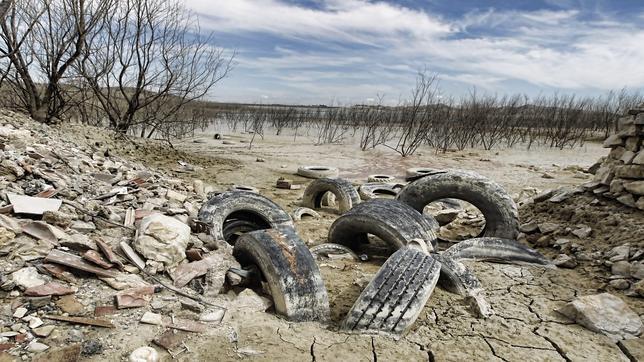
point(147, 62)
point(40, 40)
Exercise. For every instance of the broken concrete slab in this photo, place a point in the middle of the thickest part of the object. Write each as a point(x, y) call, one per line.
point(33, 205)
point(43, 331)
point(27, 278)
point(134, 297)
point(73, 261)
point(52, 288)
point(604, 313)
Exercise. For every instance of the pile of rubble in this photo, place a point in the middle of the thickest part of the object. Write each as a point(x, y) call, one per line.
point(73, 217)
point(621, 174)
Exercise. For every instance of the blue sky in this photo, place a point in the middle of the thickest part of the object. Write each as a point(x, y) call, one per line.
point(351, 51)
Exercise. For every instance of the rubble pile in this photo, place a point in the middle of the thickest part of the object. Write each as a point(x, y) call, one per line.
point(85, 234)
point(621, 174)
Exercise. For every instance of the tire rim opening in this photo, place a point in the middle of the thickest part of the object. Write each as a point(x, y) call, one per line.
point(241, 222)
point(318, 169)
point(325, 200)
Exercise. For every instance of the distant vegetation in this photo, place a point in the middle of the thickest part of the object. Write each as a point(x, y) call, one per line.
point(143, 67)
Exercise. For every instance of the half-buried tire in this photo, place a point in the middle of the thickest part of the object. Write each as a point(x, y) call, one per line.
point(317, 171)
point(290, 271)
point(496, 205)
point(234, 212)
point(396, 295)
point(392, 221)
point(346, 195)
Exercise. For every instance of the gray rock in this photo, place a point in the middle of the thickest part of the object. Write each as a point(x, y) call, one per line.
point(604, 313)
point(445, 217)
point(622, 268)
point(36, 347)
point(583, 231)
point(619, 284)
point(548, 227)
point(619, 253)
point(637, 270)
point(529, 228)
point(565, 261)
point(636, 187)
point(27, 277)
point(249, 301)
point(82, 226)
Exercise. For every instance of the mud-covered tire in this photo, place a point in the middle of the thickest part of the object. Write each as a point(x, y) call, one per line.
point(371, 190)
point(496, 205)
point(392, 221)
point(396, 295)
point(318, 171)
point(496, 250)
point(298, 213)
point(381, 178)
point(346, 195)
point(242, 206)
point(288, 267)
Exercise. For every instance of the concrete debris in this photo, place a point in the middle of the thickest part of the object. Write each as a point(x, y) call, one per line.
point(82, 320)
point(35, 347)
point(604, 313)
point(33, 205)
point(96, 258)
point(52, 288)
point(44, 331)
point(134, 297)
point(249, 301)
point(27, 278)
point(173, 322)
point(162, 239)
point(76, 262)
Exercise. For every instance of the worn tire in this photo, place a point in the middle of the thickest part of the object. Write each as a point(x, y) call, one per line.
point(231, 206)
point(318, 171)
point(495, 250)
point(298, 213)
point(396, 295)
point(289, 269)
point(346, 195)
point(496, 205)
point(392, 221)
point(371, 190)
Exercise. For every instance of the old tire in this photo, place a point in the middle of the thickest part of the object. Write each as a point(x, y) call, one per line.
point(495, 250)
point(371, 190)
point(392, 221)
point(318, 171)
point(396, 295)
point(248, 209)
point(496, 205)
point(346, 195)
point(380, 178)
point(288, 267)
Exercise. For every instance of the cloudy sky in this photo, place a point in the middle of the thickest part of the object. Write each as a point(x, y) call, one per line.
point(350, 51)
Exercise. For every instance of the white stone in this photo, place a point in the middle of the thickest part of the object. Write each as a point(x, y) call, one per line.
point(36, 347)
point(144, 354)
point(20, 312)
point(27, 277)
point(250, 301)
point(604, 313)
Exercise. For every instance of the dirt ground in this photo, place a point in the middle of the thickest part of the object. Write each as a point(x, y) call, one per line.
point(525, 325)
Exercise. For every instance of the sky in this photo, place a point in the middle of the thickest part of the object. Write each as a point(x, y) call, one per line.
point(358, 51)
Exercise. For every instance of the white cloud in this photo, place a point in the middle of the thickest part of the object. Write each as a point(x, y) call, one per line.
point(358, 46)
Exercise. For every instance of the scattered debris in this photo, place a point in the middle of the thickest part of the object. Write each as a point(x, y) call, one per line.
point(76, 262)
point(135, 297)
point(173, 322)
point(82, 320)
point(33, 205)
point(163, 239)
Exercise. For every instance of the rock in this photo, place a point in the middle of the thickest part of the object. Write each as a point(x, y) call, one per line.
point(639, 288)
point(619, 284)
point(613, 141)
point(259, 159)
point(212, 316)
point(125, 280)
point(616, 186)
point(445, 217)
point(604, 313)
point(639, 158)
point(92, 347)
point(57, 218)
point(27, 278)
point(529, 228)
point(630, 171)
point(199, 187)
point(637, 270)
point(69, 304)
point(548, 227)
point(78, 242)
point(636, 187)
point(547, 176)
point(20, 312)
point(633, 348)
point(249, 301)
point(628, 200)
point(173, 195)
point(52, 288)
point(43, 331)
point(622, 268)
point(6, 236)
point(75, 335)
point(565, 261)
point(34, 322)
point(36, 347)
point(144, 354)
point(82, 226)
point(619, 253)
point(640, 203)
point(583, 232)
point(163, 239)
